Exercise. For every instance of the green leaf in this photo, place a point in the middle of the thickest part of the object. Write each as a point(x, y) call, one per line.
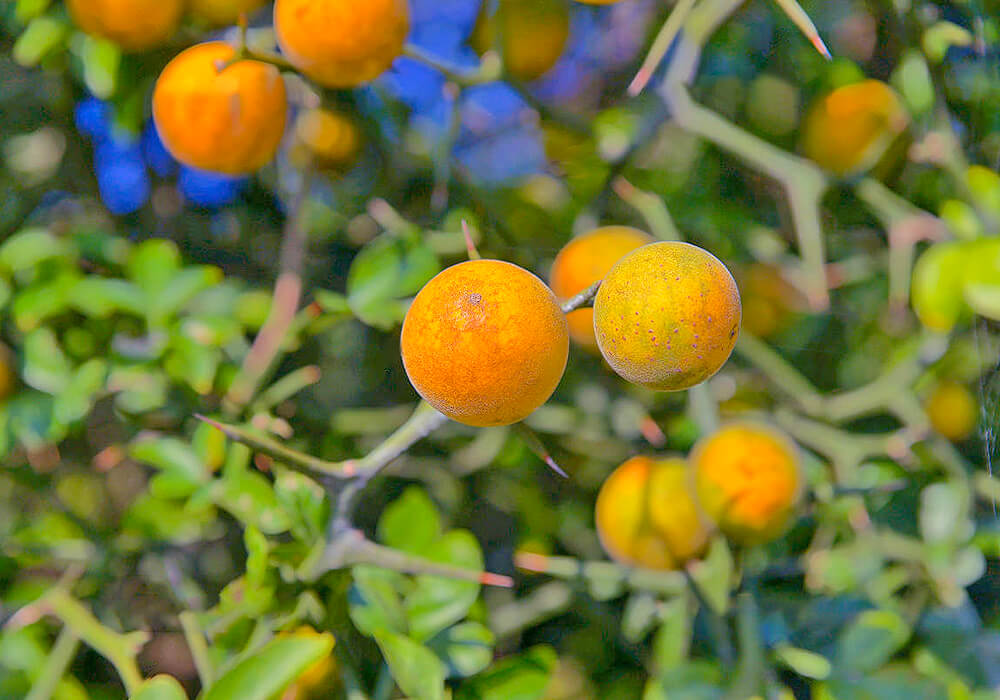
point(43, 300)
point(42, 35)
point(153, 264)
point(410, 523)
point(101, 59)
point(181, 289)
point(871, 640)
point(418, 672)
point(374, 602)
point(172, 456)
point(438, 602)
point(803, 662)
point(385, 270)
point(250, 498)
point(331, 302)
point(670, 646)
point(99, 297)
point(46, 367)
point(27, 248)
point(942, 36)
point(521, 677)
point(639, 616)
point(76, 400)
point(267, 673)
point(160, 687)
point(714, 575)
point(466, 648)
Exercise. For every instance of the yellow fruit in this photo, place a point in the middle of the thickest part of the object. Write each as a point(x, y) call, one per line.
point(585, 260)
point(485, 343)
point(229, 121)
point(530, 34)
point(768, 299)
point(848, 131)
point(646, 516)
point(667, 316)
point(135, 25)
point(341, 43)
point(328, 139)
point(748, 480)
point(316, 679)
point(952, 410)
point(221, 13)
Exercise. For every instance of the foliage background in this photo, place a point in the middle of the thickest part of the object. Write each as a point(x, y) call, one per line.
point(132, 289)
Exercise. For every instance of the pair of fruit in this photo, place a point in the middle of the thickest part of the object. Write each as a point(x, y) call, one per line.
point(744, 479)
point(486, 342)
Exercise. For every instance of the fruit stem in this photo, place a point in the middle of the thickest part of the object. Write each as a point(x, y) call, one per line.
point(584, 298)
point(488, 71)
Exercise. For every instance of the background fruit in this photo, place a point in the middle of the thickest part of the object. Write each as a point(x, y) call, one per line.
point(222, 12)
point(667, 316)
point(646, 516)
point(485, 343)
point(585, 260)
point(952, 410)
point(849, 130)
point(326, 138)
point(135, 25)
point(768, 299)
point(748, 480)
point(229, 122)
point(341, 43)
point(530, 34)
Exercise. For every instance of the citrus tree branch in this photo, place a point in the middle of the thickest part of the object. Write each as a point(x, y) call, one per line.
point(584, 298)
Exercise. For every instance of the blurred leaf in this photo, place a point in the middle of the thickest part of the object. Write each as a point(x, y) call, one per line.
point(42, 35)
point(27, 248)
point(410, 523)
point(100, 297)
point(101, 59)
point(173, 456)
point(385, 270)
point(670, 646)
point(374, 602)
point(521, 677)
point(714, 575)
point(250, 498)
point(76, 400)
point(942, 36)
point(160, 687)
point(182, 287)
point(438, 602)
point(803, 662)
point(466, 649)
point(418, 672)
point(152, 265)
point(639, 616)
point(266, 673)
point(871, 640)
point(46, 367)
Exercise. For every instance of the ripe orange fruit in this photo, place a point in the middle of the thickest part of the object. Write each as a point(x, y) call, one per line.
point(747, 479)
point(135, 25)
point(530, 34)
point(485, 343)
point(848, 131)
point(585, 260)
point(341, 43)
point(952, 410)
point(646, 515)
point(328, 139)
point(667, 316)
point(229, 121)
point(220, 13)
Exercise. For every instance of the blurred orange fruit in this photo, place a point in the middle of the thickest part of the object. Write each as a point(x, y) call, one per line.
point(748, 480)
point(135, 25)
point(646, 515)
point(326, 138)
point(341, 43)
point(585, 260)
point(952, 410)
point(530, 34)
point(228, 121)
point(485, 343)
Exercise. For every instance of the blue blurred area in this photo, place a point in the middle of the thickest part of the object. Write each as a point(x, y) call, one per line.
point(122, 163)
point(211, 190)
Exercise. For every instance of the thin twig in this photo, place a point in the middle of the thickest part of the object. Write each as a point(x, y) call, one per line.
point(661, 44)
point(60, 657)
point(583, 299)
point(198, 647)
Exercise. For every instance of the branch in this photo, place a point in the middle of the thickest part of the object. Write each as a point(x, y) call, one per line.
point(284, 305)
point(669, 583)
point(489, 70)
point(351, 548)
point(584, 298)
point(60, 657)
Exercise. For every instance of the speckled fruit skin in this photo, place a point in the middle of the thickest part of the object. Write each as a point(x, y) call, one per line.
point(646, 515)
point(341, 43)
point(952, 410)
point(135, 25)
point(748, 480)
point(485, 343)
point(229, 122)
point(667, 316)
point(220, 13)
point(585, 260)
point(531, 35)
point(849, 130)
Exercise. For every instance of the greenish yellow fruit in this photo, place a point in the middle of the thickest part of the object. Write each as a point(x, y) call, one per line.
point(952, 410)
point(667, 316)
point(530, 34)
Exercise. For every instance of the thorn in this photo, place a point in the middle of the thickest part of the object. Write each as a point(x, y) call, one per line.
point(529, 561)
point(469, 245)
point(499, 580)
point(538, 447)
point(802, 20)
